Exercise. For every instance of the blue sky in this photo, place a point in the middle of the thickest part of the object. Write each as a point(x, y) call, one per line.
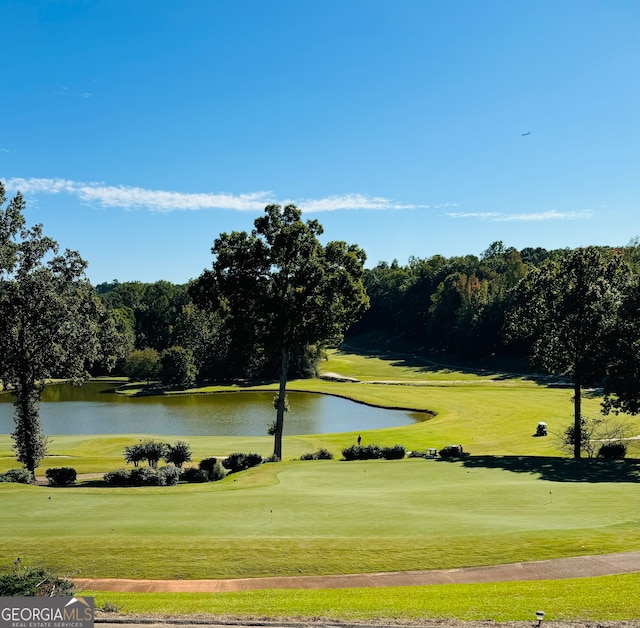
point(138, 131)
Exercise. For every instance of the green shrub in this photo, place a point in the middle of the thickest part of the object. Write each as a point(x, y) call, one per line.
point(418, 454)
point(397, 452)
point(362, 452)
point(169, 475)
point(119, 477)
point(213, 469)
point(351, 453)
point(452, 451)
point(33, 582)
point(21, 476)
point(154, 451)
point(61, 476)
point(193, 474)
point(253, 460)
point(321, 454)
point(134, 454)
point(239, 461)
point(612, 451)
point(178, 454)
point(217, 473)
point(207, 464)
point(145, 476)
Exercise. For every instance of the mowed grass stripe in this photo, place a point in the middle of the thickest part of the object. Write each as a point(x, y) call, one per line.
point(604, 598)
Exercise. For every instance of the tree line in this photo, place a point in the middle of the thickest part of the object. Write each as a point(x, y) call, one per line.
point(458, 305)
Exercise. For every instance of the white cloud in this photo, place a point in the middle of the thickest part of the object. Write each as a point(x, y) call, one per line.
point(481, 215)
point(352, 201)
point(582, 214)
point(166, 201)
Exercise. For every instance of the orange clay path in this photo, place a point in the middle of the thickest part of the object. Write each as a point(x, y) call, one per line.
point(576, 567)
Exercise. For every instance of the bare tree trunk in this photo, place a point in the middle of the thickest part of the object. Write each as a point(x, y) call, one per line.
point(577, 419)
point(280, 406)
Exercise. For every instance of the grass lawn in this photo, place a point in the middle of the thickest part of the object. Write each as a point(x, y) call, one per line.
point(603, 598)
point(327, 518)
point(516, 498)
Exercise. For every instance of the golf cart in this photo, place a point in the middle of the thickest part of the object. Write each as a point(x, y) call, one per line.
point(541, 430)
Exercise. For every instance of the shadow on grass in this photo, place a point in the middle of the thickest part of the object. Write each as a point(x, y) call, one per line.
point(496, 368)
point(560, 469)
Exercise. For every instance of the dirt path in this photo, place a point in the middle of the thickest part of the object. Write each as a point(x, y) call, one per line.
point(579, 566)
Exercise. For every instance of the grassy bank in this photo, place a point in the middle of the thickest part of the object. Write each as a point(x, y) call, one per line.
point(602, 598)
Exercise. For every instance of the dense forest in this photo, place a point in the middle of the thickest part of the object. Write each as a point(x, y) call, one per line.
point(455, 306)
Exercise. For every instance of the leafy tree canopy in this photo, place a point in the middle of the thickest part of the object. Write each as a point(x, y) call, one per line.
point(568, 309)
point(52, 323)
point(281, 288)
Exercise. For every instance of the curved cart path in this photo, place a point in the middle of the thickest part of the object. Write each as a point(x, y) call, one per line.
point(576, 567)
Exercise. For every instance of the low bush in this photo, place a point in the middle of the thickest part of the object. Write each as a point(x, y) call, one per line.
point(612, 451)
point(119, 477)
point(239, 461)
point(452, 451)
point(207, 464)
point(33, 582)
point(362, 452)
point(212, 468)
point(193, 474)
point(217, 473)
point(397, 452)
point(321, 454)
point(21, 476)
point(61, 476)
point(145, 476)
point(418, 454)
point(169, 475)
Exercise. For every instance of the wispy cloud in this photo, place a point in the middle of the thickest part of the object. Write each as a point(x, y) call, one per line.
point(479, 215)
point(582, 214)
point(166, 201)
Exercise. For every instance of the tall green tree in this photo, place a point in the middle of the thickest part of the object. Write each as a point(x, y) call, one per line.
point(568, 308)
point(177, 367)
point(52, 324)
point(622, 384)
point(143, 364)
point(283, 289)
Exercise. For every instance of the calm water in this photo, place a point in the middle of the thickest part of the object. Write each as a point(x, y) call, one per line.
point(95, 409)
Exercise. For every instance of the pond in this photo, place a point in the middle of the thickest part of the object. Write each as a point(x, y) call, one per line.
point(96, 409)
